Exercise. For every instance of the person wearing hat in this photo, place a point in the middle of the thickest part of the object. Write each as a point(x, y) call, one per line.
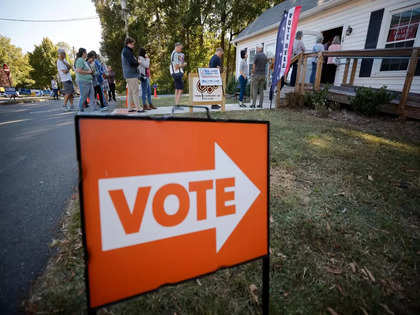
point(258, 76)
point(63, 68)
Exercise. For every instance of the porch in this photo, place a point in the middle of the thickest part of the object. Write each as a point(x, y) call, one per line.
point(405, 104)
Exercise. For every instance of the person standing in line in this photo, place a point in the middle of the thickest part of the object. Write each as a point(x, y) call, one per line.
point(129, 66)
point(54, 88)
point(84, 76)
point(144, 64)
point(298, 47)
point(177, 72)
point(259, 74)
point(105, 84)
point(317, 48)
point(332, 61)
point(243, 77)
point(98, 79)
point(63, 68)
point(216, 62)
point(111, 81)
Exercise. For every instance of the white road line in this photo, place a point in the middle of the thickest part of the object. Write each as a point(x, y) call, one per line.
point(12, 122)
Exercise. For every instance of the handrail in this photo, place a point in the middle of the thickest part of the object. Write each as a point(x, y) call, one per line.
point(295, 58)
point(385, 52)
point(411, 53)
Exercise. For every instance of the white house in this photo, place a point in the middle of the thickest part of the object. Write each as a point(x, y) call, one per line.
point(361, 24)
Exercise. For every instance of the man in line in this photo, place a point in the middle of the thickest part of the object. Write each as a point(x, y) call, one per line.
point(54, 88)
point(129, 66)
point(216, 62)
point(259, 73)
point(177, 71)
point(111, 81)
point(63, 68)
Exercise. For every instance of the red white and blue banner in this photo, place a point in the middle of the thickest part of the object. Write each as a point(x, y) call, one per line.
point(284, 46)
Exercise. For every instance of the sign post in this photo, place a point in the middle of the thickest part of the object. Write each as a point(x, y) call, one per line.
point(206, 87)
point(198, 202)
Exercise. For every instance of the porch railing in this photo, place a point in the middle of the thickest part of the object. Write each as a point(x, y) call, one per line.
point(352, 57)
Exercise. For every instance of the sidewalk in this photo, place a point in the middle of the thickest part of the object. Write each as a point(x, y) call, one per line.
point(167, 110)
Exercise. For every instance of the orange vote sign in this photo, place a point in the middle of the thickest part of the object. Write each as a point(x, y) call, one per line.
point(168, 200)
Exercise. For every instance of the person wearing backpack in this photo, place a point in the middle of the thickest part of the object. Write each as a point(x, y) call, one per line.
point(130, 72)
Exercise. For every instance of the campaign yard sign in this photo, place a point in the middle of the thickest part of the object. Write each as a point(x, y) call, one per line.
point(176, 199)
point(210, 77)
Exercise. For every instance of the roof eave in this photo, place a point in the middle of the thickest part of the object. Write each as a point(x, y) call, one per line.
point(305, 14)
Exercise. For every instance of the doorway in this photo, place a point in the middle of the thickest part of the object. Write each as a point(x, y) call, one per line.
point(329, 70)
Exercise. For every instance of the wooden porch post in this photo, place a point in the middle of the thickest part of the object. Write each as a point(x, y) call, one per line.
point(319, 63)
point(346, 71)
point(302, 86)
point(407, 84)
point(299, 70)
point(353, 71)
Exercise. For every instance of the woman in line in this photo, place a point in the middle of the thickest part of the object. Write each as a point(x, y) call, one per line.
point(332, 61)
point(298, 48)
point(317, 48)
point(144, 64)
point(84, 78)
point(243, 77)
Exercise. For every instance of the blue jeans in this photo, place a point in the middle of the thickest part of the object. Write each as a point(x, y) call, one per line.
point(145, 91)
point(242, 83)
point(313, 73)
point(86, 90)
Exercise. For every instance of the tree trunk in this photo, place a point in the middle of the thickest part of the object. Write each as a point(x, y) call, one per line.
point(228, 57)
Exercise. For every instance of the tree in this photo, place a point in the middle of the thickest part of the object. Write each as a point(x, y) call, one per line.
point(201, 25)
point(17, 62)
point(43, 61)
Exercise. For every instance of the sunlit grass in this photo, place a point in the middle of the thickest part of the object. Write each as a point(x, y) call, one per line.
point(345, 230)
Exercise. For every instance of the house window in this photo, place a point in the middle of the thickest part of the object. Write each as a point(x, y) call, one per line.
point(251, 58)
point(403, 31)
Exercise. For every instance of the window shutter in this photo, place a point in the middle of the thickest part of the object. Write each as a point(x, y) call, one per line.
point(371, 40)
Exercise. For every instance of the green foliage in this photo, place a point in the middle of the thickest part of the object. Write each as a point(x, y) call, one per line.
point(367, 100)
point(201, 26)
point(232, 86)
point(17, 62)
point(43, 62)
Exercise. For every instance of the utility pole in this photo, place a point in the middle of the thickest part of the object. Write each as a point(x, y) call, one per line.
point(125, 15)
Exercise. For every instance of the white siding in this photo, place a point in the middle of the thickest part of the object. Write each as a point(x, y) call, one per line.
point(355, 14)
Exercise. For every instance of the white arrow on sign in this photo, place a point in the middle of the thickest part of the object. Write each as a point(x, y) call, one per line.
point(114, 235)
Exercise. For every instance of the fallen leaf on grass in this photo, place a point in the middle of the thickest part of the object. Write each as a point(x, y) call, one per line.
point(252, 290)
point(271, 219)
point(328, 227)
point(364, 311)
point(370, 275)
point(335, 271)
point(54, 243)
point(353, 267)
point(387, 309)
point(340, 289)
point(370, 178)
point(332, 312)
point(198, 282)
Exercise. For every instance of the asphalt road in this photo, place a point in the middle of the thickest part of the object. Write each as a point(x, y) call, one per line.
point(38, 172)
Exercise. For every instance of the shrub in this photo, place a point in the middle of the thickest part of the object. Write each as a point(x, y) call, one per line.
point(320, 101)
point(232, 85)
point(367, 100)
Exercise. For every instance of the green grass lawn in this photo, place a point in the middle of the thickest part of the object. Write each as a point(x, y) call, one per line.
point(345, 229)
